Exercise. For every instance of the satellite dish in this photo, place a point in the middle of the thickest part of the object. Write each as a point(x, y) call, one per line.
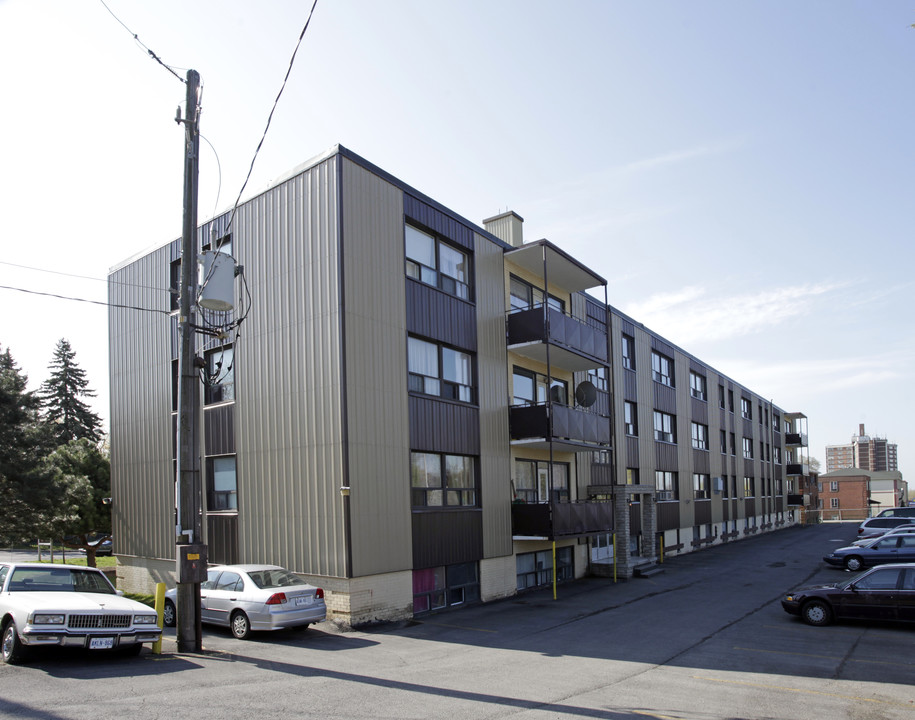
point(586, 393)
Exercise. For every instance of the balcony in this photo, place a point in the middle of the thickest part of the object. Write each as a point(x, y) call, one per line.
point(798, 500)
point(560, 426)
point(795, 439)
point(555, 520)
point(573, 344)
point(797, 469)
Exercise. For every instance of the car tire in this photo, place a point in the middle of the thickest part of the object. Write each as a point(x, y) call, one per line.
point(816, 612)
point(11, 648)
point(854, 563)
point(169, 616)
point(240, 625)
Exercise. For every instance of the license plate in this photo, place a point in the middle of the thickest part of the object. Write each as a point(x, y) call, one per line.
point(306, 600)
point(104, 643)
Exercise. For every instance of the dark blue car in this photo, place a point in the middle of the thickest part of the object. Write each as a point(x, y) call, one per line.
point(888, 549)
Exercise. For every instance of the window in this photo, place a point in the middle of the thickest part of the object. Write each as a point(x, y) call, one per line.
point(524, 296)
point(833, 502)
point(776, 421)
point(748, 448)
point(721, 396)
point(440, 480)
point(447, 586)
point(723, 441)
point(730, 400)
point(632, 476)
point(700, 435)
point(746, 408)
point(530, 388)
point(532, 481)
point(219, 383)
point(601, 457)
point(438, 370)
point(662, 369)
point(222, 486)
point(701, 485)
point(536, 569)
point(697, 386)
point(666, 484)
point(174, 284)
point(778, 455)
point(628, 352)
point(631, 418)
point(598, 378)
point(834, 486)
point(435, 263)
point(665, 427)
point(749, 487)
point(733, 444)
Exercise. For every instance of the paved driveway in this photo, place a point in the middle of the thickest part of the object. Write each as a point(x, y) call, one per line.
point(705, 639)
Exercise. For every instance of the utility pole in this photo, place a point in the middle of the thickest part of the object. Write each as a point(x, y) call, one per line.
point(191, 550)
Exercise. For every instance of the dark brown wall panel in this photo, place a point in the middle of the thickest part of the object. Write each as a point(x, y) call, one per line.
point(438, 316)
point(630, 385)
point(666, 457)
point(447, 537)
point(222, 539)
point(668, 516)
point(703, 510)
point(219, 430)
point(665, 398)
point(442, 426)
point(632, 453)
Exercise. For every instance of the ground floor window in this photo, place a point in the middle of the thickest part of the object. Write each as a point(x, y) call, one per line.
point(536, 569)
point(445, 586)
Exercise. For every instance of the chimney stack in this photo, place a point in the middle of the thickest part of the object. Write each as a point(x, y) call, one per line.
point(506, 227)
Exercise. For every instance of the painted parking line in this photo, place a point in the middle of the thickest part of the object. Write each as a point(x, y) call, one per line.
point(823, 657)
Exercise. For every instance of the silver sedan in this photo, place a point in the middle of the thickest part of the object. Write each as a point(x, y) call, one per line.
point(244, 598)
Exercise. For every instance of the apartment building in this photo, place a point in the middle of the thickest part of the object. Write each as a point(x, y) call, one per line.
point(863, 452)
point(421, 412)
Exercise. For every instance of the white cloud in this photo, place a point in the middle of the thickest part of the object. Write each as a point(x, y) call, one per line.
point(691, 314)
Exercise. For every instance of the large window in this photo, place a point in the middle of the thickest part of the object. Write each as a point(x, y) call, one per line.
point(748, 448)
point(666, 484)
point(222, 485)
point(662, 369)
point(665, 427)
point(536, 569)
point(532, 481)
point(436, 263)
point(631, 418)
point(746, 408)
point(598, 377)
point(628, 352)
point(219, 383)
point(439, 480)
point(698, 386)
point(524, 296)
point(701, 484)
point(532, 388)
point(699, 435)
point(447, 586)
point(439, 370)
point(749, 487)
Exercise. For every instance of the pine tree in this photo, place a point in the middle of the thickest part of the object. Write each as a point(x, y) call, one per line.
point(25, 485)
point(66, 415)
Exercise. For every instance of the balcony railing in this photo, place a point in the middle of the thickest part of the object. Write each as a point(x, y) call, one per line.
point(558, 519)
point(793, 439)
point(797, 469)
point(575, 344)
point(557, 423)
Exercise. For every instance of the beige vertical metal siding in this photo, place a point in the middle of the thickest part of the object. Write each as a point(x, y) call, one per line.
point(288, 377)
point(492, 366)
point(142, 476)
point(377, 413)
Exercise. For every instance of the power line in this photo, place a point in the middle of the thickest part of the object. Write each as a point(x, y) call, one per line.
point(84, 277)
point(141, 44)
point(270, 117)
point(84, 300)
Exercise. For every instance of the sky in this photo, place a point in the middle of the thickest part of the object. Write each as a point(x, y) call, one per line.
point(741, 173)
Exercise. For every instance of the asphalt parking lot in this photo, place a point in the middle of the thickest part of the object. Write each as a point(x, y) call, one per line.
point(705, 639)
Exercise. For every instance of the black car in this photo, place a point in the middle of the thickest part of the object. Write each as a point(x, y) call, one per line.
point(886, 592)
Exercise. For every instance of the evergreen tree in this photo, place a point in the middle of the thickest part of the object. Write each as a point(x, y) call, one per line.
point(66, 415)
point(81, 474)
point(24, 483)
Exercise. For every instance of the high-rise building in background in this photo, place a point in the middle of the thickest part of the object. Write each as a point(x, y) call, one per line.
point(864, 452)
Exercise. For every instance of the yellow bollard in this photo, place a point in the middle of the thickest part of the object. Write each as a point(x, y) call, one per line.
point(160, 608)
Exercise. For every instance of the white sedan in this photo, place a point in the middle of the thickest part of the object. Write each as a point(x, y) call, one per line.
point(254, 597)
point(44, 604)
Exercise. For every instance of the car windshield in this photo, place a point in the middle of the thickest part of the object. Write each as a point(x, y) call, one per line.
point(850, 581)
point(58, 580)
point(274, 578)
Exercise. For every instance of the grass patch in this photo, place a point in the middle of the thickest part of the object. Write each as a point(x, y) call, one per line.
point(140, 597)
